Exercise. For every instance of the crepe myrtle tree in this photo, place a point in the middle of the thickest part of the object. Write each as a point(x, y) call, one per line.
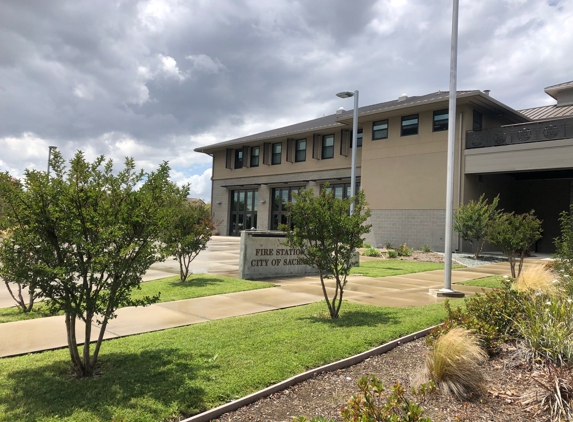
point(84, 236)
point(187, 233)
point(514, 234)
point(327, 235)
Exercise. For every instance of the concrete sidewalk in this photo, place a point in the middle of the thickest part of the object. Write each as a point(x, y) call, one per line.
point(397, 291)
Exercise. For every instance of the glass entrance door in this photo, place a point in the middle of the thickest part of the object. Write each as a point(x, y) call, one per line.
point(243, 210)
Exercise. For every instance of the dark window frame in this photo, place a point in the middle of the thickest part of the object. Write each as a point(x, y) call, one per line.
point(239, 157)
point(443, 124)
point(477, 124)
point(276, 157)
point(359, 138)
point(327, 151)
point(255, 158)
point(300, 154)
point(410, 129)
point(383, 133)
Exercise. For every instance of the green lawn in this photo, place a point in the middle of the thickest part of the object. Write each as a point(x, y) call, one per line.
point(197, 285)
point(388, 267)
point(492, 282)
point(160, 375)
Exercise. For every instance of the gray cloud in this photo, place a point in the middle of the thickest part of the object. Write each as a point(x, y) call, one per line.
point(157, 78)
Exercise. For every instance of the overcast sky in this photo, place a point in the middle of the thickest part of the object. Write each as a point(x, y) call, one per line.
point(155, 79)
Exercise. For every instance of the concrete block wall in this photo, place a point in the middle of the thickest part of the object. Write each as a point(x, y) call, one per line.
point(416, 228)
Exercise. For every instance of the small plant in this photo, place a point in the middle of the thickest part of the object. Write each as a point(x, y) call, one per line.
point(472, 221)
point(426, 249)
point(367, 245)
point(454, 363)
point(558, 385)
point(547, 327)
point(564, 251)
point(404, 250)
point(536, 279)
point(372, 252)
point(392, 254)
point(514, 234)
point(388, 245)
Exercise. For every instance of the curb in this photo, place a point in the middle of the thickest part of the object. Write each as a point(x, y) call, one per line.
point(344, 363)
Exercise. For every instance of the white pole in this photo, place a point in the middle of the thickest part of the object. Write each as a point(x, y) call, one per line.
point(451, 147)
point(354, 148)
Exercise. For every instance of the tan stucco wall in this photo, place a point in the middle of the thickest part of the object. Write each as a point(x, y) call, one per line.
point(311, 164)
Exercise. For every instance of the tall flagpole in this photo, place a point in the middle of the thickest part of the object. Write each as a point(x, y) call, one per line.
point(451, 148)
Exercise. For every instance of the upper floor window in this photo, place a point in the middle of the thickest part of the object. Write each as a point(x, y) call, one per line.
point(358, 139)
point(300, 153)
point(327, 146)
point(277, 153)
point(239, 158)
point(255, 154)
point(409, 125)
point(441, 120)
point(477, 125)
point(380, 129)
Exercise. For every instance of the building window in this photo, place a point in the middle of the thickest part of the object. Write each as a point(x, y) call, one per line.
point(277, 153)
point(380, 129)
point(409, 125)
point(300, 154)
point(440, 120)
point(477, 125)
point(342, 190)
point(358, 139)
point(243, 210)
point(239, 158)
point(255, 153)
point(281, 197)
point(327, 146)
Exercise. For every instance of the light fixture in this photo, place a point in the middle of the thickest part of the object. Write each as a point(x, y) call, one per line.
point(348, 94)
point(263, 201)
point(219, 202)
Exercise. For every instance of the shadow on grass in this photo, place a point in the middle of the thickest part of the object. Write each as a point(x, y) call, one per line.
point(355, 318)
point(147, 383)
point(197, 282)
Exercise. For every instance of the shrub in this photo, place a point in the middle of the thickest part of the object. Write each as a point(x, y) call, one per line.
point(404, 250)
point(536, 279)
point(472, 221)
point(367, 245)
point(490, 315)
point(514, 234)
point(547, 327)
point(392, 254)
point(388, 245)
point(426, 249)
point(453, 363)
point(564, 250)
point(372, 252)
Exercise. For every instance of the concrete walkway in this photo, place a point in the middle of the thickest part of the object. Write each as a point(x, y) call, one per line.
point(23, 337)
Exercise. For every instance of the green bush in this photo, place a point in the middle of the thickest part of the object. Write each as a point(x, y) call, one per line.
point(564, 251)
point(372, 252)
point(392, 254)
point(367, 245)
point(370, 406)
point(426, 249)
point(388, 245)
point(490, 315)
point(404, 250)
point(547, 327)
point(514, 234)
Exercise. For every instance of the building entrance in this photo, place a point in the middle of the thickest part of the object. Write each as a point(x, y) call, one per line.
point(243, 210)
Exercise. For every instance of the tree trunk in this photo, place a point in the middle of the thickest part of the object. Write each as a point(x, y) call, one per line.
point(73, 345)
point(330, 308)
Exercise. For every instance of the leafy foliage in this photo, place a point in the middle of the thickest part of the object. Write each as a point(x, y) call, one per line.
point(371, 406)
point(187, 233)
point(453, 363)
point(472, 221)
point(490, 315)
point(514, 234)
point(392, 254)
point(564, 250)
point(372, 252)
point(404, 250)
point(426, 249)
point(86, 236)
point(327, 240)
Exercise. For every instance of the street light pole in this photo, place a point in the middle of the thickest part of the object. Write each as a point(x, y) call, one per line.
point(50, 149)
point(348, 94)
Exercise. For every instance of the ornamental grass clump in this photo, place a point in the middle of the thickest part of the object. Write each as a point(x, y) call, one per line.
point(536, 279)
point(454, 363)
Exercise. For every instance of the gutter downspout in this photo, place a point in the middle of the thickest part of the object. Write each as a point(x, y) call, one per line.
point(460, 174)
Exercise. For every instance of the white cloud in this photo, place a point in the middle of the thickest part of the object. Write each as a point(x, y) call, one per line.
point(169, 67)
